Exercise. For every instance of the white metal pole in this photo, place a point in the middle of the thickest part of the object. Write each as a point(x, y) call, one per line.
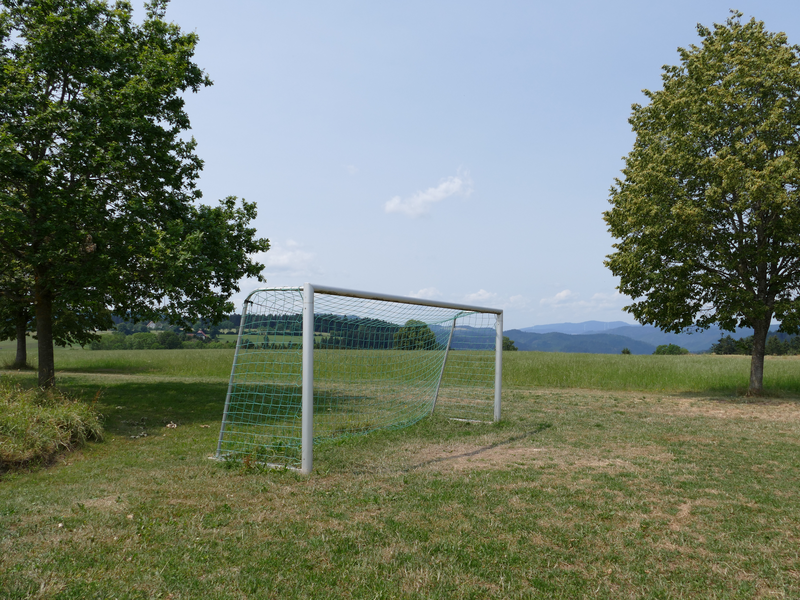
point(233, 370)
point(444, 363)
point(334, 291)
point(498, 367)
point(307, 416)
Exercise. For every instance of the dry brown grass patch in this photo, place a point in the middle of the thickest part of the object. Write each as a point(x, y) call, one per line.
point(461, 457)
point(765, 409)
point(107, 504)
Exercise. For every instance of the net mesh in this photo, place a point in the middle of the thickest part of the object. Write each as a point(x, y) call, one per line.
point(377, 364)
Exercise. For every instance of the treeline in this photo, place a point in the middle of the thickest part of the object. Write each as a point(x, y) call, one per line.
point(129, 327)
point(163, 340)
point(778, 344)
point(333, 332)
point(342, 332)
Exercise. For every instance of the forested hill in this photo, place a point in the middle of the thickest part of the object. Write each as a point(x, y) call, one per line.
point(596, 343)
point(696, 341)
point(583, 327)
point(589, 333)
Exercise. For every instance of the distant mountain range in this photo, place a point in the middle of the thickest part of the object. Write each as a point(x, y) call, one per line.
point(575, 328)
point(591, 343)
point(600, 337)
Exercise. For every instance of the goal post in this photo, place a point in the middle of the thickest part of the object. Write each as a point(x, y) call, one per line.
point(315, 363)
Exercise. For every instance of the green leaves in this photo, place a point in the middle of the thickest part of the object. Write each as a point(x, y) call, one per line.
point(415, 335)
point(97, 178)
point(707, 215)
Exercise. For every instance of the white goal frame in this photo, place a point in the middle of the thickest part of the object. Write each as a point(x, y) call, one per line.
point(307, 395)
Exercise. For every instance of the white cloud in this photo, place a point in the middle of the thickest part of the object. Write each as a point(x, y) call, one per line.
point(516, 302)
point(420, 203)
point(613, 300)
point(560, 299)
point(572, 300)
point(351, 169)
point(481, 296)
point(430, 293)
point(287, 258)
point(285, 263)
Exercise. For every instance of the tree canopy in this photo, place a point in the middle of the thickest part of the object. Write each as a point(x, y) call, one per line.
point(670, 349)
point(707, 213)
point(98, 196)
point(415, 335)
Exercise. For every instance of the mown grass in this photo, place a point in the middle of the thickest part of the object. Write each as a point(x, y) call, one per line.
point(577, 493)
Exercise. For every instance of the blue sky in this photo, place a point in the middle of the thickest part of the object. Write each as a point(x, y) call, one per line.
point(460, 151)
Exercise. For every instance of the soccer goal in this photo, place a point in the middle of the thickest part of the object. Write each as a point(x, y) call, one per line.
point(314, 363)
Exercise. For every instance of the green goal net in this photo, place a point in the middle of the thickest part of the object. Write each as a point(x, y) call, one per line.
point(378, 362)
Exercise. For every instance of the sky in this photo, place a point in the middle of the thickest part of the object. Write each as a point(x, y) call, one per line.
point(456, 151)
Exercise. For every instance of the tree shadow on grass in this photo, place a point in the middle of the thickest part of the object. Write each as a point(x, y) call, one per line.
point(478, 451)
point(89, 370)
point(740, 397)
point(134, 408)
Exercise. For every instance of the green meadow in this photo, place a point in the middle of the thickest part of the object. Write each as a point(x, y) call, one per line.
point(704, 373)
point(608, 477)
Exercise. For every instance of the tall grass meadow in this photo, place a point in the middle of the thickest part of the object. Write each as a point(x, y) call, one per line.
point(691, 373)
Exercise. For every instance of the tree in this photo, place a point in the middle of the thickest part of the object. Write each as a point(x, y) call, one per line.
point(670, 349)
point(168, 339)
point(708, 212)
point(508, 344)
point(775, 346)
point(97, 179)
point(15, 320)
point(415, 335)
point(15, 314)
point(727, 345)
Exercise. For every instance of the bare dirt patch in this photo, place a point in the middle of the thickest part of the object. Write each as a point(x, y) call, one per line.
point(107, 504)
point(763, 409)
point(725, 407)
point(461, 457)
point(468, 457)
point(684, 515)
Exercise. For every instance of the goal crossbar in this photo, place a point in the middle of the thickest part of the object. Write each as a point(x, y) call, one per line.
point(335, 291)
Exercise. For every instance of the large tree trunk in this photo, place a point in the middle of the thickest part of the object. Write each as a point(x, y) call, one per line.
point(760, 331)
point(44, 331)
point(21, 360)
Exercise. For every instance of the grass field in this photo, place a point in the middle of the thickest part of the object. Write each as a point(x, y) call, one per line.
point(706, 373)
point(609, 477)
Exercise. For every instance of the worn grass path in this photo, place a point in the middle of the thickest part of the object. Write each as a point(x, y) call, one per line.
point(578, 493)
